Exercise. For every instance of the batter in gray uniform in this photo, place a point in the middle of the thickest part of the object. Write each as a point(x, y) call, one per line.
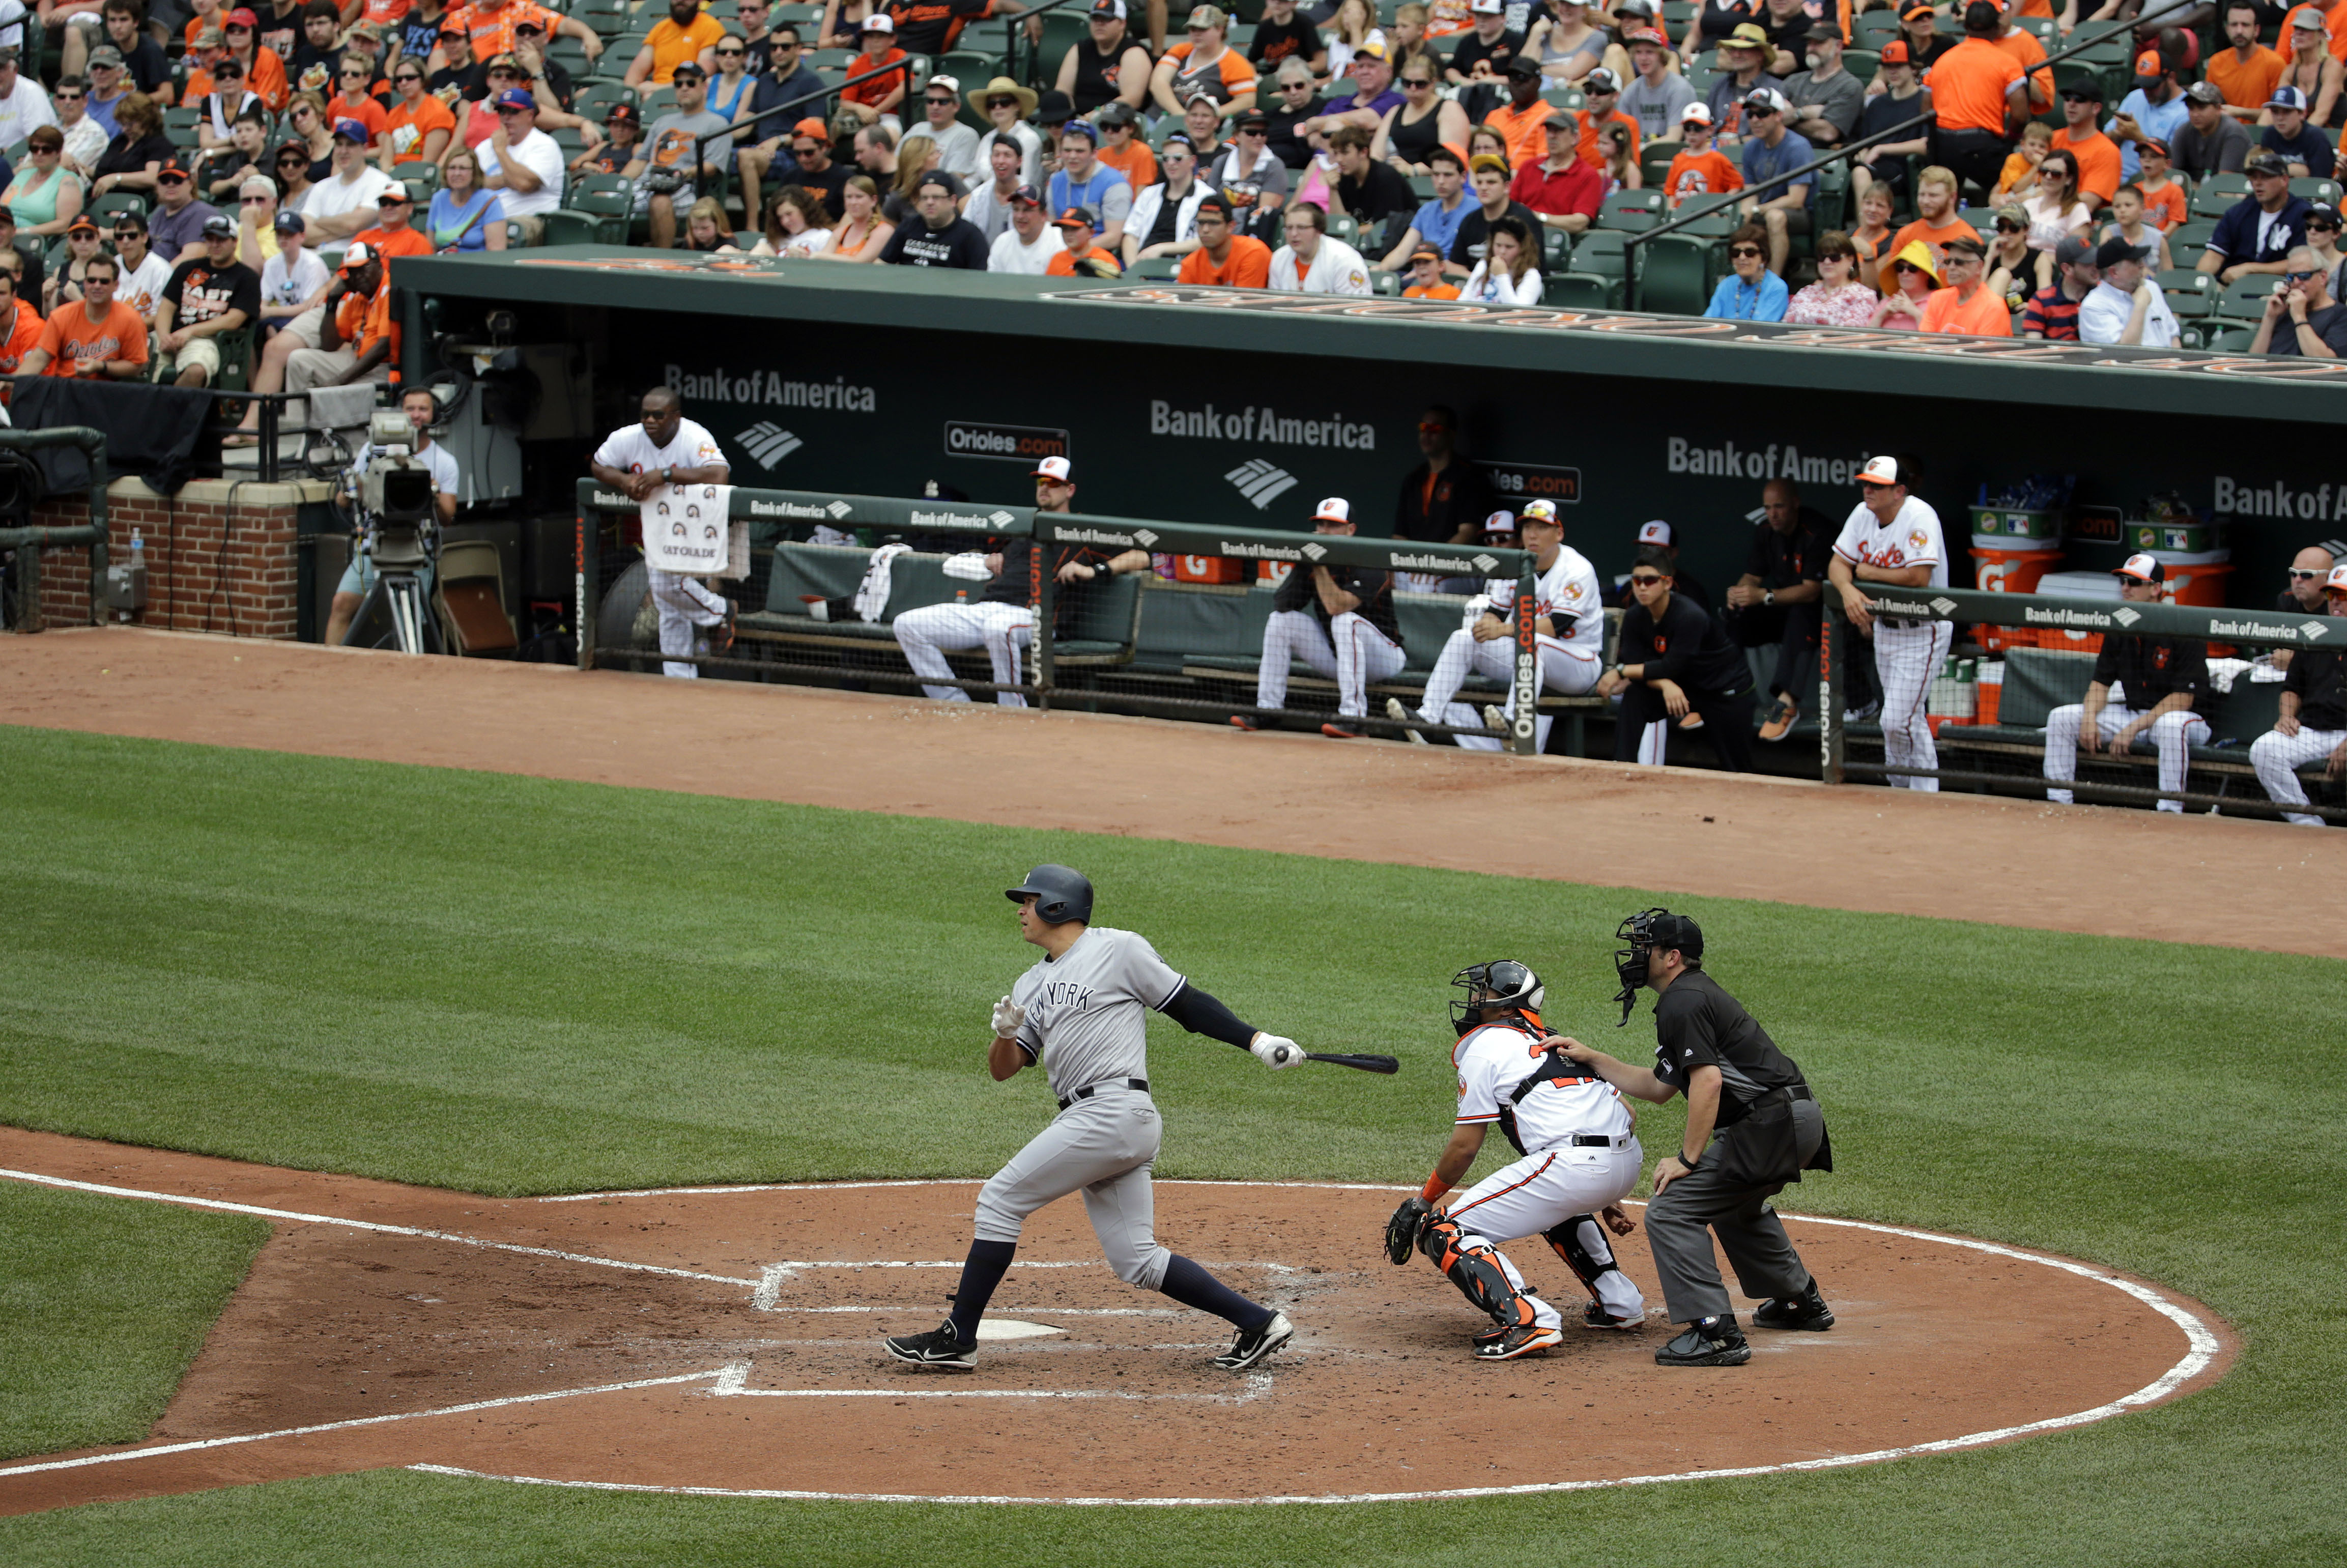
point(1079, 1011)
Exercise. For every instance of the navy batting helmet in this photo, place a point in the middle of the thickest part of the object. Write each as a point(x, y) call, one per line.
point(1060, 894)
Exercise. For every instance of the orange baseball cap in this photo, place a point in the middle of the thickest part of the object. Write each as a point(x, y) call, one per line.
point(814, 127)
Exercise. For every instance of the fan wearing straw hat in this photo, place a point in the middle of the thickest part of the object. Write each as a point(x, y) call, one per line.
point(1006, 106)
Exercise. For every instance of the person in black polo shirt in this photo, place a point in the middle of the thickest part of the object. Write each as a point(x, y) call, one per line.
point(1753, 1125)
point(1780, 597)
point(2313, 722)
point(2141, 685)
point(1674, 658)
point(1339, 619)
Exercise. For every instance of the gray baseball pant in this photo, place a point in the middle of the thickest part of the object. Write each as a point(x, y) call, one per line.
point(1103, 1145)
point(1681, 1223)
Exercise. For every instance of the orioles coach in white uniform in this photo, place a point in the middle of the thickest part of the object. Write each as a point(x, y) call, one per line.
point(1569, 625)
point(1894, 538)
point(1579, 1156)
point(666, 448)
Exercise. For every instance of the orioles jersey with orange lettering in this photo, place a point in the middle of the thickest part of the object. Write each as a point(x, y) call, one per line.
point(1494, 1058)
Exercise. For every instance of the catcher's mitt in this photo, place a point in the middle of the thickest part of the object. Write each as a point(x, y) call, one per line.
point(1401, 1230)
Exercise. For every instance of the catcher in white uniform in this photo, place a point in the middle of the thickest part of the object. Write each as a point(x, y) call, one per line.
point(1894, 538)
point(1001, 619)
point(667, 449)
point(1569, 622)
point(1579, 1158)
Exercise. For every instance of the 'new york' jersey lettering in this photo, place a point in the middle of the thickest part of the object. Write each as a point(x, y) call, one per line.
point(1088, 1009)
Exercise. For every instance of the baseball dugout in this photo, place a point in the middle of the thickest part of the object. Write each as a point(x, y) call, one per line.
point(1992, 737)
point(817, 607)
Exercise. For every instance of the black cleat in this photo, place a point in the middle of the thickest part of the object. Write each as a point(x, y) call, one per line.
point(1595, 1315)
point(1707, 1342)
point(1808, 1310)
point(939, 1347)
point(1253, 1344)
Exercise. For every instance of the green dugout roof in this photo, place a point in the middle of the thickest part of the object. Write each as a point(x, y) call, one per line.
point(1731, 356)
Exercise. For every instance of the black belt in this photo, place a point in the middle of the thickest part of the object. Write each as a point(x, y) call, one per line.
point(1599, 1141)
point(1797, 1091)
point(1089, 1089)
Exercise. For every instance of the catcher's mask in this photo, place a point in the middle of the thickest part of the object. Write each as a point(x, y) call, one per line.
point(1645, 932)
point(1501, 983)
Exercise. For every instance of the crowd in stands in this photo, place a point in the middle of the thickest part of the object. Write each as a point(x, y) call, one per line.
point(1463, 150)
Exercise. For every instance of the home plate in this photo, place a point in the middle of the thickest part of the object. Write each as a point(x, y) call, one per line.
point(1012, 1328)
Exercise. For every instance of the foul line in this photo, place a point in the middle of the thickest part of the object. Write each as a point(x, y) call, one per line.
point(191, 1447)
point(369, 1225)
point(938, 1182)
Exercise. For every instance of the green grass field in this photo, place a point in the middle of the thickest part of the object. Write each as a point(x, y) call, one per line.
point(516, 986)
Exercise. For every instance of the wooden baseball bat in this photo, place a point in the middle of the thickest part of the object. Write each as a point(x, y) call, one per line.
point(1365, 1063)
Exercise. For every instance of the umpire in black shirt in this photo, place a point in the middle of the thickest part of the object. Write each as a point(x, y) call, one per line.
point(1675, 658)
point(1752, 1125)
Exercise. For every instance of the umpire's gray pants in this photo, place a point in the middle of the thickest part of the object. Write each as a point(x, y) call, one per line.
point(1104, 1146)
point(1681, 1222)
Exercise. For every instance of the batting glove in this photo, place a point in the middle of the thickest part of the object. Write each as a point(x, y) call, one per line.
point(1009, 1019)
point(1275, 1052)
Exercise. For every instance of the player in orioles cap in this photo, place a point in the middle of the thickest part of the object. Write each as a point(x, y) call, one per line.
point(1337, 618)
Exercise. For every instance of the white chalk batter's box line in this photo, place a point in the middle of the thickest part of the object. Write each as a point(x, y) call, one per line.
point(2201, 1341)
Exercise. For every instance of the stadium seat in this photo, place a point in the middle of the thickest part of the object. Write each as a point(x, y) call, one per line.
point(2212, 201)
point(1581, 290)
point(103, 208)
point(2315, 188)
point(594, 99)
point(1556, 249)
point(1386, 284)
point(1165, 268)
point(1676, 274)
point(1630, 211)
point(1422, 187)
point(1345, 227)
point(2234, 338)
point(1874, 29)
point(596, 212)
point(2244, 298)
point(2191, 238)
point(2190, 294)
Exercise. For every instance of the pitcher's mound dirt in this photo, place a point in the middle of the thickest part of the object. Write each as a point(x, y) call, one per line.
point(783, 1387)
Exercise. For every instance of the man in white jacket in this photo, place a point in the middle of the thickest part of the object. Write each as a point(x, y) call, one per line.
point(1151, 230)
point(1313, 263)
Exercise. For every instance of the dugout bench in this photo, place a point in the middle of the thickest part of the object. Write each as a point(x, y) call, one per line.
point(1135, 637)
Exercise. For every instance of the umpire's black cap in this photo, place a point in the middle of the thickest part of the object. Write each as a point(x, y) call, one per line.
point(1666, 930)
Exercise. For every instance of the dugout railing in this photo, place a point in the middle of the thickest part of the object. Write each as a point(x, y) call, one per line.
point(1183, 637)
point(2047, 647)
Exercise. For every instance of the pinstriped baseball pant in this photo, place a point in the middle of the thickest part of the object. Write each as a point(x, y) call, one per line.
point(1002, 630)
point(1568, 670)
point(1905, 660)
point(2278, 758)
point(1351, 652)
point(2171, 736)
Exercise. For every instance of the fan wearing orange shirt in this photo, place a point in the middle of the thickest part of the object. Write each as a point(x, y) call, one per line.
point(1600, 92)
point(489, 25)
point(100, 337)
point(1523, 121)
point(1965, 305)
point(1078, 257)
point(1426, 281)
point(264, 73)
point(2082, 138)
point(1976, 88)
point(1224, 258)
point(419, 127)
point(688, 34)
point(1936, 223)
point(2247, 72)
point(2163, 199)
point(1699, 169)
point(2026, 51)
point(21, 334)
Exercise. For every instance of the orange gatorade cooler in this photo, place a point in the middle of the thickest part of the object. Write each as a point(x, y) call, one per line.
point(1998, 569)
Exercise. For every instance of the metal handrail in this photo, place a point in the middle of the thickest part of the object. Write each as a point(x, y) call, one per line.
point(1845, 150)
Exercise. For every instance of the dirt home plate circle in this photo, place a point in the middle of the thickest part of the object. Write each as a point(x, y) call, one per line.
point(725, 1341)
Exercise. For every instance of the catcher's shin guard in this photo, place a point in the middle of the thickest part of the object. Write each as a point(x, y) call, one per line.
point(1475, 1270)
point(1580, 1241)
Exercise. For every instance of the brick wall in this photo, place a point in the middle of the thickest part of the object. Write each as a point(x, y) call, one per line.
point(211, 567)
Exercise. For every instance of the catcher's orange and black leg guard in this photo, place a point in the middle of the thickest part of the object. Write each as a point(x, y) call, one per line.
point(1476, 1273)
point(1580, 1241)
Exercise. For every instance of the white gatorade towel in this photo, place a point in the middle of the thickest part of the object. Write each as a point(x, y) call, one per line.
point(686, 530)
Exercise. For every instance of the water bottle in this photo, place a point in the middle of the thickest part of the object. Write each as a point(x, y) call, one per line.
point(138, 551)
